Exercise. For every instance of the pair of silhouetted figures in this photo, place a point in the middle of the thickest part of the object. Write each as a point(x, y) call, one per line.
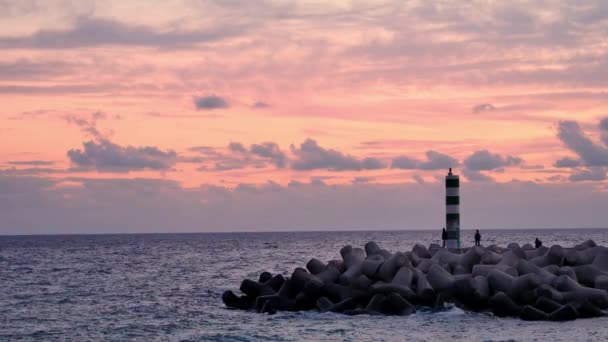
point(444, 236)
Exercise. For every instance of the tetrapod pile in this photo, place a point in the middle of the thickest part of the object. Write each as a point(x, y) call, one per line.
point(543, 283)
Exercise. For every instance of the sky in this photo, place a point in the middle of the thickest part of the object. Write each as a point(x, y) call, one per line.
point(234, 115)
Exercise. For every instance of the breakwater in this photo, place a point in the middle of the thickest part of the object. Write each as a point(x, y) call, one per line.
point(553, 283)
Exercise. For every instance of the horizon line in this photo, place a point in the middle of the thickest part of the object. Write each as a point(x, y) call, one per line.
point(289, 231)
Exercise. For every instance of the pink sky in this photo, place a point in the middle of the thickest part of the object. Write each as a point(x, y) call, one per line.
point(191, 103)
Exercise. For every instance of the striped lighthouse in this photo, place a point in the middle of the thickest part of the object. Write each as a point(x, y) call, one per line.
point(452, 210)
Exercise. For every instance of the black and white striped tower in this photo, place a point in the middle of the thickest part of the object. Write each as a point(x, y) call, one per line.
point(452, 210)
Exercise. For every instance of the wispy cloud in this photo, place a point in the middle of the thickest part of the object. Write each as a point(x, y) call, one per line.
point(311, 156)
point(96, 31)
point(31, 162)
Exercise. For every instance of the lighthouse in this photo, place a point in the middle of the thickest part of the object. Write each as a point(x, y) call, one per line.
point(452, 210)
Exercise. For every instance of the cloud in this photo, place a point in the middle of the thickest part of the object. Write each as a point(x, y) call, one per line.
point(403, 162)
point(28, 69)
point(210, 103)
point(105, 156)
point(486, 161)
point(511, 108)
point(311, 156)
point(271, 151)
point(435, 161)
point(266, 151)
point(237, 147)
point(31, 162)
point(227, 164)
point(476, 176)
point(238, 156)
point(88, 125)
point(604, 124)
point(590, 153)
point(32, 171)
point(590, 174)
point(567, 162)
point(92, 32)
point(604, 130)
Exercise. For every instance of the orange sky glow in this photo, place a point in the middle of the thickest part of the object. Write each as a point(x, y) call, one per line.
point(229, 93)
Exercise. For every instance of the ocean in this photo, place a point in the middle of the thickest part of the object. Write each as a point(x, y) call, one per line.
point(168, 287)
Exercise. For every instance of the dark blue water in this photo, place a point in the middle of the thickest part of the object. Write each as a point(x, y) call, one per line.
point(167, 287)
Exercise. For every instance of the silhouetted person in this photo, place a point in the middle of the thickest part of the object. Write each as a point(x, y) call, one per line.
point(477, 238)
point(538, 243)
point(444, 236)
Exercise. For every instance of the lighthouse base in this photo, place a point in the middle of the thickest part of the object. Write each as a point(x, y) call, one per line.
point(452, 244)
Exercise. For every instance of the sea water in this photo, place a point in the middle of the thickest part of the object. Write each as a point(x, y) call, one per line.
point(168, 287)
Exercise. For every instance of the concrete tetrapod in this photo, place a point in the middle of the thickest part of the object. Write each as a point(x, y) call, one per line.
point(547, 283)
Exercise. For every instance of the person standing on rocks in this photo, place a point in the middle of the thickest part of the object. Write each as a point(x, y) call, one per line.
point(538, 243)
point(477, 238)
point(444, 236)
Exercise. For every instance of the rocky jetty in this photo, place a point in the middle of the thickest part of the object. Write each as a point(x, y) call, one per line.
point(543, 283)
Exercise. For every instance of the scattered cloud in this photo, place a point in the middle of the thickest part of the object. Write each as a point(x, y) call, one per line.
point(270, 151)
point(604, 124)
point(210, 102)
point(604, 130)
point(310, 156)
point(510, 109)
point(434, 161)
point(591, 174)
point(105, 156)
point(101, 154)
point(22, 69)
point(567, 162)
point(476, 176)
point(95, 31)
point(38, 171)
point(484, 160)
point(592, 162)
point(589, 153)
point(237, 147)
point(237, 156)
point(403, 162)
